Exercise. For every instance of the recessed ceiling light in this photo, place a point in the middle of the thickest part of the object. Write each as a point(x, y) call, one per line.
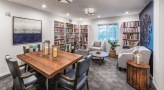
point(80, 18)
point(126, 12)
point(44, 6)
point(67, 14)
point(98, 16)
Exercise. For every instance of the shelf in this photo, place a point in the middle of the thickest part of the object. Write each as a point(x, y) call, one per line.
point(58, 27)
point(131, 32)
point(59, 39)
point(132, 39)
point(59, 32)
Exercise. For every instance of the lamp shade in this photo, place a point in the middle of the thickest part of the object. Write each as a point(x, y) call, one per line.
point(65, 1)
point(89, 11)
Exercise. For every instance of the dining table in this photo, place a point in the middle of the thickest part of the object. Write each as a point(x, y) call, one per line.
point(49, 66)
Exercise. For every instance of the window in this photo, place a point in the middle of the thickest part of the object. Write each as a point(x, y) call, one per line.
point(108, 31)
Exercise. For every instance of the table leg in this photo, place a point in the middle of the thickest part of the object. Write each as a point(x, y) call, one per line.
point(52, 83)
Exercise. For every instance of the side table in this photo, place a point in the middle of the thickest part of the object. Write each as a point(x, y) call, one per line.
point(138, 75)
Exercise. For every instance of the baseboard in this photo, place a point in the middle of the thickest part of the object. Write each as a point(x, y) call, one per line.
point(5, 75)
point(155, 85)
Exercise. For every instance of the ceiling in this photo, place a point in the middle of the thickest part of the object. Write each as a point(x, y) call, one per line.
point(104, 8)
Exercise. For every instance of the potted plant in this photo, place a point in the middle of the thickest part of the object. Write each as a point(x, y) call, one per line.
point(113, 44)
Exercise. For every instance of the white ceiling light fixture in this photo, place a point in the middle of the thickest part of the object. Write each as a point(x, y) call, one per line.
point(44, 6)
point(65, 1)
point(98, 16)
point(89, 11)
point(67, 14)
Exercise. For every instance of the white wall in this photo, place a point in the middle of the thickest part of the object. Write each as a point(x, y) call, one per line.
point(6, 46)
point(158, 71)
point(93, 27)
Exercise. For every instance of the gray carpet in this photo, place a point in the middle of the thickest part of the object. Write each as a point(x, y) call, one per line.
point(101, 77)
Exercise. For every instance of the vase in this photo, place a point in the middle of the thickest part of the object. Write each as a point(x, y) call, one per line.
point(112, 53)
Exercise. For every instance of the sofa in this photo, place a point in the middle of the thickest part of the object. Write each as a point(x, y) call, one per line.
point(127, 54)
point(97, 46)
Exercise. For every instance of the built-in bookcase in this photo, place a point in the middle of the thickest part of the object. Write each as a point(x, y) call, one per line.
point(131, 34)
point(83, 36)
point(67, 33)
point(59, 34)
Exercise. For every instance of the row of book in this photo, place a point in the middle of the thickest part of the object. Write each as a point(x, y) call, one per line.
point(131, 24)
point(59, 37)
point(56, 24)
point(58, 42)
point(76, 27)
point(83, 26)
point(130, 43)
point(70, 40)
point(84, 35)
point(69, 36)
point(76, 35)
point(84, 31)
point(70, 30)
point(84, 39)
point(58, 30)
point(76, 30)
point(132, 29)
point(130, 36)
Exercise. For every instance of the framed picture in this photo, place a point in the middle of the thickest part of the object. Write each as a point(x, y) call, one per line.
point(26, 30)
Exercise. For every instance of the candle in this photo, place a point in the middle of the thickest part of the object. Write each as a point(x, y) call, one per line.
point(46, 51)
point(138, 59)
point(55, 52)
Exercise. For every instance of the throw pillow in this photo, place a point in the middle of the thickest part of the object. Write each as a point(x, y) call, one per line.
point(97, 43)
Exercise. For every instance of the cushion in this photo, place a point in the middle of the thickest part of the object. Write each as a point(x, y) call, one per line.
point(97, 43)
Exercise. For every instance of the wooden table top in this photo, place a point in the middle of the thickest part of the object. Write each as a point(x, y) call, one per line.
point(48, 66)
point(141, 65)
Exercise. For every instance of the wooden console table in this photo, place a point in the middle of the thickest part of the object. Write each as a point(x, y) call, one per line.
point(138, 75)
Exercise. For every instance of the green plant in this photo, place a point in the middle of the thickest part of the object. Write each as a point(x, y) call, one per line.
point(113, 43)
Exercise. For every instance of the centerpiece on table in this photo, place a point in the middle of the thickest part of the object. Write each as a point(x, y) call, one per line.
point(113, 44)
point(46, 47)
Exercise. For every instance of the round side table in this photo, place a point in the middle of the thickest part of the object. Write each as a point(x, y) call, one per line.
point(138, 75)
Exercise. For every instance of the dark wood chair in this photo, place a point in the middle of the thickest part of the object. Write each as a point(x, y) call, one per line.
point(26, 80)
point(76, 78)
point(28, 49)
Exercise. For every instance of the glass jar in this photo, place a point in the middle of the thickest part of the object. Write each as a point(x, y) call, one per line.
point(46, 47)
point(54, 51)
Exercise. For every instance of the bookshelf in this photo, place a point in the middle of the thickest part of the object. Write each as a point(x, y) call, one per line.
point(83, 37)
point(59, 34)
point(131, 34)
point(69, 34)
point(77, 36)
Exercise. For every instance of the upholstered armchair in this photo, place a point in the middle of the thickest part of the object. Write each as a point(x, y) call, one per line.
point(97, 45)
point(127, 54)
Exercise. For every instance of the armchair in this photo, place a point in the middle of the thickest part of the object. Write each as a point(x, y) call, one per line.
point(127, 54)
point(23, 81)
point(97, 45)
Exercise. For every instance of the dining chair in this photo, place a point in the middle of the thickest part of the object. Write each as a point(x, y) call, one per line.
point(28, 49)
point(76, 78)
point(26, 80)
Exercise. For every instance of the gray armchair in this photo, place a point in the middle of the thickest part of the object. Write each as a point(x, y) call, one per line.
point(127, 54)
point(76, 79)
point(26, 80)
point(97, 46)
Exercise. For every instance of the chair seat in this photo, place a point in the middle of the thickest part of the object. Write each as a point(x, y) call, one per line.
point(33, 79)
point(30, 81)
point(71, 74)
